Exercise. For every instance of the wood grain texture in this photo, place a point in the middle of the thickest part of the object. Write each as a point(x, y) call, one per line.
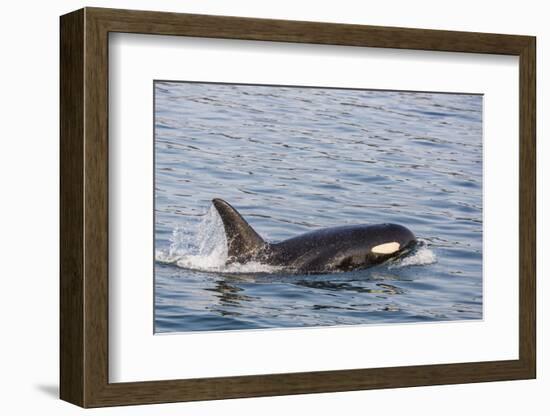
point(71, 158)
point(96, 208)
point(528, 208)
point(226, 27)
point(84, 207)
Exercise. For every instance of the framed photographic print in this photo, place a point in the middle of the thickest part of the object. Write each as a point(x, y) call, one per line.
point(255, 207)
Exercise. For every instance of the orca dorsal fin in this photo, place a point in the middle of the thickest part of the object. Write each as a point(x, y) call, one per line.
point(243, 243)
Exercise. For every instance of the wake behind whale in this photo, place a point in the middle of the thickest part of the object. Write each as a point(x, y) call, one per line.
point(223, 242)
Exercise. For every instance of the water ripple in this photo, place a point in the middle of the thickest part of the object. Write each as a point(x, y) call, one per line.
point(297, 159)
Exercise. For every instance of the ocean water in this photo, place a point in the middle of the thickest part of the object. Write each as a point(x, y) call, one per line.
point(295, 159)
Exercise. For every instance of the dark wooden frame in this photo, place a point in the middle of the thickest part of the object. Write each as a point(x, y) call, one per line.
point(84, 207)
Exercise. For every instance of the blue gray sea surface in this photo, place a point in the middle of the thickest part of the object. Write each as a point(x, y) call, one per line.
point(295, 159)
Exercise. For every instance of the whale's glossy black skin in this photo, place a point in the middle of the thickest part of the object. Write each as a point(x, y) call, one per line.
point(327, 250)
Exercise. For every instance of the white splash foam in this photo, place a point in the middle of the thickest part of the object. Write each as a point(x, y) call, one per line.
point(204, 247)
point(422, 256)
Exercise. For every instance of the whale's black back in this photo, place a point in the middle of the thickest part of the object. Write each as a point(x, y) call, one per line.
point(340, 248)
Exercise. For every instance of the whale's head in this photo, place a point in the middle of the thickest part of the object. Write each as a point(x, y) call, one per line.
point(390, 240)
point(349, 247)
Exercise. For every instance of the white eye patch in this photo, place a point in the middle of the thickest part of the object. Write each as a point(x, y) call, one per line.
point(387, 248)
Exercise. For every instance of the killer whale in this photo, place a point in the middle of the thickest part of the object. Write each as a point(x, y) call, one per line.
point(342, 248)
